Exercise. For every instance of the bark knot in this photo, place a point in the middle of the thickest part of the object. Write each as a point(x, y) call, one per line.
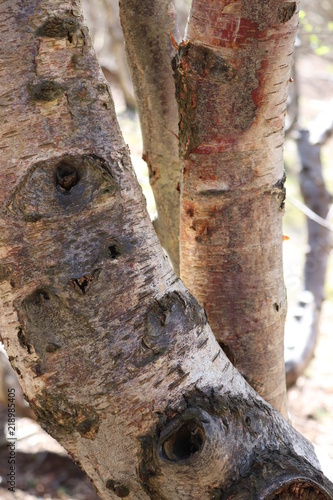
point(47, 90)
point(59, 27)
point(63, 186)
point(162, 325)
point(119, 489)
point(184, 441)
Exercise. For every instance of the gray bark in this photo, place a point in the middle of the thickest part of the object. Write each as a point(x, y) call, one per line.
point(303, 329)
point(114, 355)
point(147, 25)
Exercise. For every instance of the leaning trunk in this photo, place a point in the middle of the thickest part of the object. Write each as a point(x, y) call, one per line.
point(114, 355)
point(232, 75)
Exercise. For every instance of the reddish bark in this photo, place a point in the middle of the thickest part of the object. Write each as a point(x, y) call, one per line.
point(232, 77)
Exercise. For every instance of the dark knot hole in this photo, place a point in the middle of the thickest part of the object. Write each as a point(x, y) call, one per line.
point(114, 251)
point(66, 176)
point(184, 442)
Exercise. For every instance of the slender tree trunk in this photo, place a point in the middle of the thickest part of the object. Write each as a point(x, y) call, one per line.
point(232, 78)
point(114, 355)
point(147, 25)
point(304, 328)
point(318, 199)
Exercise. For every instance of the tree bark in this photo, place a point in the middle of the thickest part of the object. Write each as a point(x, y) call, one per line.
point(147, 25)
point(114, 355)
point(232, 76)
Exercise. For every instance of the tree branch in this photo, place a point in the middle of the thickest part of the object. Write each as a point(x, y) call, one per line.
point(147, 25)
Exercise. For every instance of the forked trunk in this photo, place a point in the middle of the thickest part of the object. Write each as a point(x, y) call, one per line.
point(114, 355)
point(232, 75)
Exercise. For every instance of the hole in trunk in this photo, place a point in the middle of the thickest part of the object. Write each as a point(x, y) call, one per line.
point(83, 284)
point(303, 488)
point(114, 251)
point(184, 442)
point(66, 177)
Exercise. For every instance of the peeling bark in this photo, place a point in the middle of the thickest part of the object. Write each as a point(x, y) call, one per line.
point(232, 76)
point(115, 356)
point(147, 25)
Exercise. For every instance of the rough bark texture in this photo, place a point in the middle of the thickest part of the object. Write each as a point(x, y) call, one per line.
point(114, 355)
point(232, 77)
point(147, 25)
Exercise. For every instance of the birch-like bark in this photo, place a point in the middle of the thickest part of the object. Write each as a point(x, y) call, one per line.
point(232, 77)
point(147, 25)
point(114, 355)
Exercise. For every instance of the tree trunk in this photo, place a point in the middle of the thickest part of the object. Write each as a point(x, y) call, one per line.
point(303, 331)
point(232, 77)
point(147, 25)
point(114, 355)
point(318, 199)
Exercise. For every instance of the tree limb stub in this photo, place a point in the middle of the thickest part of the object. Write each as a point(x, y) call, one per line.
point(115, 356)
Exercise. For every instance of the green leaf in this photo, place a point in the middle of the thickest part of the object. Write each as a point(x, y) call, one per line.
point(322, 51)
